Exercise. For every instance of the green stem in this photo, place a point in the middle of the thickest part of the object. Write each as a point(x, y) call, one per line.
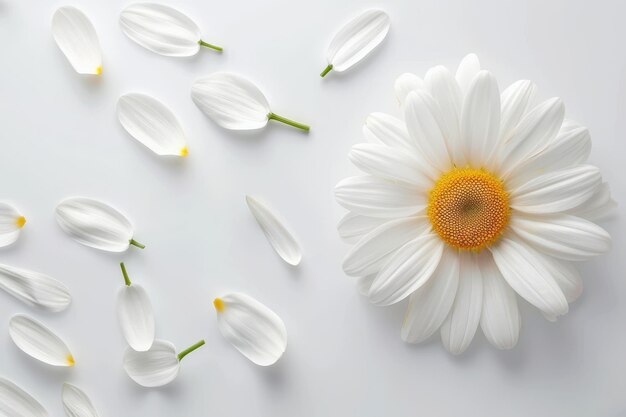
point(208, 45)
point(190, 349)
point(135, 243)
point(126, 279)
point(286, 121)
point(326, 70)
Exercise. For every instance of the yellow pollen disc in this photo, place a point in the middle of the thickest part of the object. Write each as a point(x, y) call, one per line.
point(184, 151)
point(99, 70)
point(70, 360)
point(219, 304)
point(20, 221)
point(468, 208)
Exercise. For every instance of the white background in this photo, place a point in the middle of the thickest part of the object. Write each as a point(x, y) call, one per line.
point(59, 137)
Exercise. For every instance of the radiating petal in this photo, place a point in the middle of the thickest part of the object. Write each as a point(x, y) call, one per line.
point(252, 328)
point(517, 100)
point(430, 304)
point(442, 86)
point(501, 318)
point(566, 276)
point(364, 284)
point(410, 267)
point(15, 402)
point(598, 206)
point(155, 367)
point(387, 130)
point(375, 248)
point(557, 191)
point(76, 403)
point(276, 232)
point(357, 39)
point(34, 288)
point(376, 197)
point(77, 38)
point(571, 147)
point(526, 271)
point(467, 71)
point(161, 29)
point(232, 101)
point(480, 120)
point(390, 163)
point(94, 224)
point(406, 83)
point(534, 132)
point(36, 340)
point(11, 223)
point(562, 236)
point(423, 121)
point(151, 123)
point(457, 331)
point(352, 227)
point(136, 317)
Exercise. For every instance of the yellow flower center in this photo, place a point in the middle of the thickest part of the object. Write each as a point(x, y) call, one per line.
point(468, 208)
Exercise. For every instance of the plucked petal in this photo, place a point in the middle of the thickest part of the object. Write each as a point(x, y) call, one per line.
point(467, 71)
point(155, 367)
point(15, 402)
point(36, 340)
point(231, 101)
point(410, 267)
point(76, 403)
point(459, 328)
point(430, 304)
point(136, 317)
point(357, 39)
point(151, 123)
point(34, 288)
point(77, 38)
point(352, 227)
point(406, 83)
point(11, 223)
point(516, 100)
point(252, 328)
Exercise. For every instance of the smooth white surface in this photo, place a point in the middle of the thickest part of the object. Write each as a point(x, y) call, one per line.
point(60, 138)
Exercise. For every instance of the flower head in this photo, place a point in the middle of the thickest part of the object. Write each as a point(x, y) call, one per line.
point(476, 198)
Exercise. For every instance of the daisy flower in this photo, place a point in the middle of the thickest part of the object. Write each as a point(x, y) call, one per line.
point(476, 198)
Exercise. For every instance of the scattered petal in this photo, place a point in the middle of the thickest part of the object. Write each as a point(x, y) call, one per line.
point(277, 234)
point(34, 288)
point(77, 38)
point(155, 367)
point(252, 328)
point(15, 402)
point(135, 314)
point(11, 223)
point(36, 340)
point(356, 40)
point(76, 403)
point(151, 123)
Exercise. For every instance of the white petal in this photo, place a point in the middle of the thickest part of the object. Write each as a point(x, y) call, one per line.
point(571, 147)
point(151, 123)
point(557, 191)
point(352, 227)
point(277, 234)
point(231, 101)
point(406, 83)
point(423, 122)
point(467, 71)
point(36, 340)
point(376, 197)
point(457, 331)
point(562, 236)
point(252, 328)
point(566, 276)
point(365, 283)
point(136, 317)
point(480, 119)
point(525, 270)
point(34, 288)
point(94, 224)
point(11, 223)
point(533, 133)
point(76, 403)
point(516, 100)
point(387, 130)
point(430, 304)
point(155, 367)
point(77, 38)
point(598, 206)
point(440, 83)
point(375, 248)
point(15, 402)
point(161, 29)
point(357, 39)
point(390, 163)
point(501, 319)
point(410, 267)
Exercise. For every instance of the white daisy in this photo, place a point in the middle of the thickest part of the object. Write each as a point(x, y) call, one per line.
point(475, 198)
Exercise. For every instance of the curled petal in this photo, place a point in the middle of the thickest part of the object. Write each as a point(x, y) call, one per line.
point(155, 367)
point(15, 402)
point(36, 340)
point(77, 38)
point(34, 288)
point(76, 403)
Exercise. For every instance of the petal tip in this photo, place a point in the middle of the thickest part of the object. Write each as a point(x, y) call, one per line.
point(70, 360)
point(99, 70)
point(20, 221)
point(218, 303)
point(184, 151)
